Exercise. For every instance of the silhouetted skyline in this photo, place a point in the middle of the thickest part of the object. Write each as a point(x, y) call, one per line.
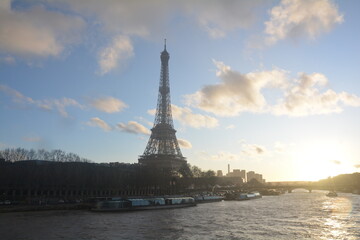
point(270, 87)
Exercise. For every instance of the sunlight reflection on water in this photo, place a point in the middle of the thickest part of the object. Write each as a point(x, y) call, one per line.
point(335, 225)
point(291, 216)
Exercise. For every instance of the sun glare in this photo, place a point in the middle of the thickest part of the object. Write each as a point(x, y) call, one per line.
point(320, 159)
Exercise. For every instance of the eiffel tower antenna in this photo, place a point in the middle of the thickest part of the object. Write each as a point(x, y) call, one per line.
point(162, 149)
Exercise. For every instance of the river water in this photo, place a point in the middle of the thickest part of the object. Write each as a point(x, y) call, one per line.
point(298, 215)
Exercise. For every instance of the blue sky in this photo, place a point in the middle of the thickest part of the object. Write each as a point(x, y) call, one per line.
point(268, 86)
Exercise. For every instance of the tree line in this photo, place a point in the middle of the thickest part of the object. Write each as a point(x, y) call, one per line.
point(42, 169)
point(57, 155)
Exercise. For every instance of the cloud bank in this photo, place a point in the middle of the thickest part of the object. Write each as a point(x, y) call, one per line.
point(294, 19)
point(36, 31)
point(236, 93)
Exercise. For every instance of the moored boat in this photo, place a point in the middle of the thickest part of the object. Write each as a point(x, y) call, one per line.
point(243, 196)
point(332, 194)
point(136, 204)
point(208, 198)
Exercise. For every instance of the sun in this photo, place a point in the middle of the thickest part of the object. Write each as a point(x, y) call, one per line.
point(320, 159)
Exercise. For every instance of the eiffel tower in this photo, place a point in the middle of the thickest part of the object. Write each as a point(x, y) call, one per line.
point(162, 149)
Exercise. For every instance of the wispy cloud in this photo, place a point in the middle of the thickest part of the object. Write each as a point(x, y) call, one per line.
point(337, 162)
point(97, 122)
point(59, 105)
point(293, 19)
point(225, 156)
point(7, 60)
point(253, 149)
point(249, 152)
point(237, 93)
point(231, 126)
point(110, 57)
point(218, 19)
point(108, 104)
point(133, 127)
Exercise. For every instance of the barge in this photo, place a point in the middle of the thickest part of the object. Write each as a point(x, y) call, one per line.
point(138, 204)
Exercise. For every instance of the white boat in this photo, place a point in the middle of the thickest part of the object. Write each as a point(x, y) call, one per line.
point(137, 204)
point(243, 196)
point(208, 198)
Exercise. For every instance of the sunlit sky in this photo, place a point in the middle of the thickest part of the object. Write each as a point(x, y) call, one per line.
point(267, 86)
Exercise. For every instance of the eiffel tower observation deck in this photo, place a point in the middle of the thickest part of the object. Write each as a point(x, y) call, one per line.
point(163, 149)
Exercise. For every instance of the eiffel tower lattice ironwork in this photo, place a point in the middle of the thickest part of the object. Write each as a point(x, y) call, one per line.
point(163, 149)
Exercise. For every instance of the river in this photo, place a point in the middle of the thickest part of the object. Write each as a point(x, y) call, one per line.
point(298, 215)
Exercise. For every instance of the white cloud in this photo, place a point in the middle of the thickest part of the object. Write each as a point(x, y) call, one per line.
point(184, 143)
point(97, 122)
point(237, 93)
point(108, 104)
point(37, 31)
point(186, 117)
point(120, 50)
point(133, 127)
point(59, 105)
point(301, 18)
point(304, 98)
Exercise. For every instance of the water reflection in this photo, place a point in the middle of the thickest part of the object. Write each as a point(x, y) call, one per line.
point(337, 215)
point(298, 215)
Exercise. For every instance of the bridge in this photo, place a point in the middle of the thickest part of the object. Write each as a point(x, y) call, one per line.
point(289, 186)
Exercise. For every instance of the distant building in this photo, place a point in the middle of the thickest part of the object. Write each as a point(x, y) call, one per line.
point(258, 177)
point(243, 175)
point(219, 173)
point(250, 175)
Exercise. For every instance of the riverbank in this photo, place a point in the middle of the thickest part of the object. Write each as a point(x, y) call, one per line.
point(29, 208)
